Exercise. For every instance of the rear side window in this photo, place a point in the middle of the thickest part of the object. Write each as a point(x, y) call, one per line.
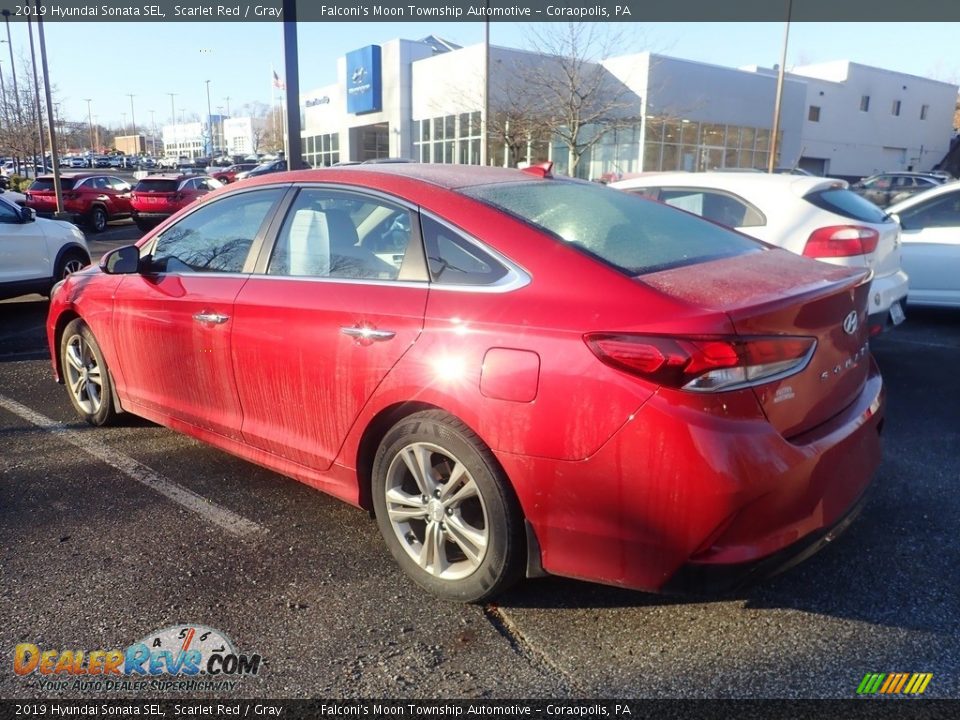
point(714, 205)
point(47, 184)
point(848, 204)
point(633, 235)
point(165, 186)
point(454, 260)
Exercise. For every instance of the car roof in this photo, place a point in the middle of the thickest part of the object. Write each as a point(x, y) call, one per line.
point(947, 187)
point(447, 176)
point(746, 183)
point(72, 175)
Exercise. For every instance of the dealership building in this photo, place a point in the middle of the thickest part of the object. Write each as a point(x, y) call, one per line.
point(424, 99)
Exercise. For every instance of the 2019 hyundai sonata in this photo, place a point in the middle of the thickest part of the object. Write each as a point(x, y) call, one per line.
point(519, 374)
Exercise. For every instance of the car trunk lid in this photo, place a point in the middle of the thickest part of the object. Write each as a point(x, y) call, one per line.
point(776, 293)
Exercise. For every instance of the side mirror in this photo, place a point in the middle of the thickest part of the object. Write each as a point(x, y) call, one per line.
point(27, 215)
point(121, 261)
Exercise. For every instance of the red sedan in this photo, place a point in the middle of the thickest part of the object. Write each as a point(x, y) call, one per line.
point(517, 373)
point(159, 196)
point(229, 175)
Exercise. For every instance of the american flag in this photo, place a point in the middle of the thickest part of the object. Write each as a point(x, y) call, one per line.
point(277, 82)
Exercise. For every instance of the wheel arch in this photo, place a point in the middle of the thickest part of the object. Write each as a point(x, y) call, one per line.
point(64, 319)
point(373, 435)
point(70, 247)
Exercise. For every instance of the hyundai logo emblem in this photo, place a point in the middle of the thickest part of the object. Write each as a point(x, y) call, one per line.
point(851, 323)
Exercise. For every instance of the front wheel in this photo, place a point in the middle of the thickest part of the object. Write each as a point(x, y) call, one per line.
point(85, 374)
point(446, 510)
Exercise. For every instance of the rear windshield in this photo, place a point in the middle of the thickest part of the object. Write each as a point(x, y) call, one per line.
point(633, 234)
point(47, 184)
point(164, 186)
point(847, 203)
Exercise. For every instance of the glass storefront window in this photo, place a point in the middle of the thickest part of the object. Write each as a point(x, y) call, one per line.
point(713, 135)
point(746, 159)
point(450, 131)
point(651, 156)
point(746, 140)
point(730, 158)
point(671, 132)
point(763, 139)
point(671, 157)
point(424, 130)
point(654, 130)
point(438, 128)
point(691, 132)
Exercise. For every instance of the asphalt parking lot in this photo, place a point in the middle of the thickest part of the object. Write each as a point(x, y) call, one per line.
point(107, 535)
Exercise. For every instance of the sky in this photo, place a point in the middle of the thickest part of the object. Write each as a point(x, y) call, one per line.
point(107, 61)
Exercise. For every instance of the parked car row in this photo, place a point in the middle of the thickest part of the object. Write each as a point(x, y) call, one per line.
point(95, 200)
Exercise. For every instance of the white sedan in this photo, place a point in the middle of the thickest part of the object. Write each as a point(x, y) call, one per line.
point(930, 223)
point(817, 217)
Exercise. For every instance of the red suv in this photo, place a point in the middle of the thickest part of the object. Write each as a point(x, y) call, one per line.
point(157, 197)
point(91, 198)
point(229, 175)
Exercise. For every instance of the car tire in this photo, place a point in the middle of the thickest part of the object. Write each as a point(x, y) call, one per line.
point(144, 225)
point(69, 263)
point(86, 375)
point(98, 219)
point(446, 509)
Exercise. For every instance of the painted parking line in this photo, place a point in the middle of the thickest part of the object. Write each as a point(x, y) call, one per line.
point(189, 500)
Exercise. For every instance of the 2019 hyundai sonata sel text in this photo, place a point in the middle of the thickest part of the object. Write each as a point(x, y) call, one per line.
point(516, 373)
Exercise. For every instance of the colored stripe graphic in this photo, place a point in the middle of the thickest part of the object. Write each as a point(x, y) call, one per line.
point(894, 683)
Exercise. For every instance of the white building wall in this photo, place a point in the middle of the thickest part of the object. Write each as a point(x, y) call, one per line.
point(396, 57)
point(238, 136)
point(860, 143)
point(715, 94)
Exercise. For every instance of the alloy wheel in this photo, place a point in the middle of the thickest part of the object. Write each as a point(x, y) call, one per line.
point(83, 375)
point(437, 511)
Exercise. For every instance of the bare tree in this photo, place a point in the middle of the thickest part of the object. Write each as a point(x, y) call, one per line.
point(571, 91)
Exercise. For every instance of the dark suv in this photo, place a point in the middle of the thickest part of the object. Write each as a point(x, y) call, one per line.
point(887, 188)
point(91, 198)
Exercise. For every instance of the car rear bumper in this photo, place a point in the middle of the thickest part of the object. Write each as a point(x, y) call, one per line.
point(885, 292)
point(680, 493)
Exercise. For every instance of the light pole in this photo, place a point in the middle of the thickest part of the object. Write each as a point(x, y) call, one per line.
point(220, 129)
point(133, 124)
point(173, 115)
point(13, 71)
point(36, 92)
point(123, 123)
point(90, 121)
point(54, 153)
point(153, 134)
point(209, 122)
point(776, 108)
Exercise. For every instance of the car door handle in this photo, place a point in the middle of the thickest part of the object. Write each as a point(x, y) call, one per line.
point(209, 317)
point(368, 334)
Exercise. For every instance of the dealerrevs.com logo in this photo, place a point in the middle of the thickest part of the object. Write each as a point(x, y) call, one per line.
point(187, 658)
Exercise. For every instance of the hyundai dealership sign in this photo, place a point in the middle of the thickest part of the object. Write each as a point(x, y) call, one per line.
point(363, 80)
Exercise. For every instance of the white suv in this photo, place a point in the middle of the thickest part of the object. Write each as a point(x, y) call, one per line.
point(812, 216)
point(35, 253)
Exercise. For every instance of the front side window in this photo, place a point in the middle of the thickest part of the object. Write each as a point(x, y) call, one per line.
point(634, 235)
point(216, 237)
point(336, 234)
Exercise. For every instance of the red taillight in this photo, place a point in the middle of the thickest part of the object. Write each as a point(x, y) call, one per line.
point(703, 363)
point(841, 241)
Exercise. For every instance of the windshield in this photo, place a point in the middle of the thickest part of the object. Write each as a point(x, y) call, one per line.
point(631, 233)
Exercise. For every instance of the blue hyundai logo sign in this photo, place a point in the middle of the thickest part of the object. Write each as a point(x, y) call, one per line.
point(363, 80)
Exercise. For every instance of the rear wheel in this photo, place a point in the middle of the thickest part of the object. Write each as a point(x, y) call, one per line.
point(85, 374)
point(144, 225)
point(98, 219)
point(446, 510)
